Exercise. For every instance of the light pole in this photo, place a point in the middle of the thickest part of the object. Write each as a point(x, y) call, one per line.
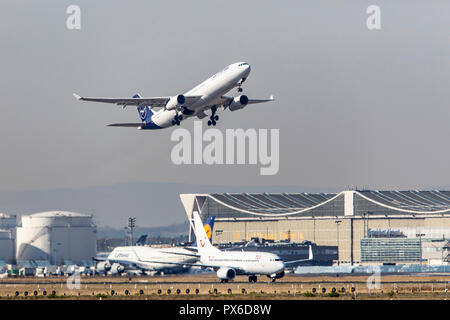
point(131, 225)
point(420, 235)
point(389, 226)
point(338, 222)
point(314, 227)
point(367, 222)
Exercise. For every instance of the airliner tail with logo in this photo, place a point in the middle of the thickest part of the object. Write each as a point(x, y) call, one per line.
point(228, 264)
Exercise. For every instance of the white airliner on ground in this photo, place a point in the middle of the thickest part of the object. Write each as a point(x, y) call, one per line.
point(149, 259)
point(141, 258)
point(228, 264)
point(209, 94)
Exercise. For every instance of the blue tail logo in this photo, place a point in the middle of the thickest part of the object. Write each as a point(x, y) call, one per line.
point(144, 112)
point(209, 226)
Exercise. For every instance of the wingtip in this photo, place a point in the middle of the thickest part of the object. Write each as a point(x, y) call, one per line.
point(77, 96)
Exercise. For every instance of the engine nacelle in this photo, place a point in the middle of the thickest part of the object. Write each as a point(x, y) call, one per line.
point(276, 275)
point(226, 274)
point(175, 102)
point(238, 103)
point(117, 268)
point(103, 266)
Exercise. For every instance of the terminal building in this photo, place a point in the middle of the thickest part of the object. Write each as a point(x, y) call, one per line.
point(367, 226)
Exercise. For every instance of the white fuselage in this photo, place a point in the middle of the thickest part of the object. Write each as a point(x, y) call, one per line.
point(210, 92)
point(250, 262)
point(142, 257)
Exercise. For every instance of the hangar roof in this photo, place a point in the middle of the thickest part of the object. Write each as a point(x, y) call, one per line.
point(412, 200)
point(273, 203)
point(265, 204)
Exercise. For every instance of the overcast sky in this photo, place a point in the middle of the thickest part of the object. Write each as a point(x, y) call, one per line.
point(354, 107)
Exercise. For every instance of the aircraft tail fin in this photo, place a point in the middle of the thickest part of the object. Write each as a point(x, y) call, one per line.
point(141, 240)
point(203, 244)
point(145, 113)
point(209, 226)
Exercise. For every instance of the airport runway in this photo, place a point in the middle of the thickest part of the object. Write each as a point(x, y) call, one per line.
point(208, 287)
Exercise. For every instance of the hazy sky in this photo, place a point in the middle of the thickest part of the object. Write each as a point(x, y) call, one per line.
point(354, 107)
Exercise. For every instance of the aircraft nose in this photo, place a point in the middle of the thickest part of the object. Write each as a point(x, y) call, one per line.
point(281, 266)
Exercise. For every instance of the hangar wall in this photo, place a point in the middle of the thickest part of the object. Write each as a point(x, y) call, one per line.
point(341, 219)
point(327, 232)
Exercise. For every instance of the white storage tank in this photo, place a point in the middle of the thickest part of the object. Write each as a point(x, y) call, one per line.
point(56, 236)
point(7, 252)
point(8, 221)
point(8, 224)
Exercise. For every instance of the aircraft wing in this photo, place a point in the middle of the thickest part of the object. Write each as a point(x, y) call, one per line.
point(123, 263)
point(184, 264)
point(99, 259)
point(182, 254)
point(215, 267)
point(154, 102)
point(310, 257)
point(227, 100)
point(129, 124)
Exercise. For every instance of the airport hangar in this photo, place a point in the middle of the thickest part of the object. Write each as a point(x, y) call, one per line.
point(367, 226)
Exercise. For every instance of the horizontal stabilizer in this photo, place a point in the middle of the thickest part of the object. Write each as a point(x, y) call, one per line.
point(310, 257)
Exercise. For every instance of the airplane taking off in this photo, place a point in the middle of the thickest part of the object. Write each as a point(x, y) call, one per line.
point(208, 95)
point(228, 264)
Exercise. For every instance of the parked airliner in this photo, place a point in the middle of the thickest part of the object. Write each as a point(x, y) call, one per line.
point(228, 264)
point(208, 95)
point(142, 257)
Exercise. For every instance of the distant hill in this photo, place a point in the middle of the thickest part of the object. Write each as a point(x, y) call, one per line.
point(153, 204)
point(170, 231)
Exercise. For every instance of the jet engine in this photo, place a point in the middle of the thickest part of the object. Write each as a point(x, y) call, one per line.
point(103, 267)
point(116, 268)
point(225, 274)
point(238, 103)
point(176, 102)
point(276, 275)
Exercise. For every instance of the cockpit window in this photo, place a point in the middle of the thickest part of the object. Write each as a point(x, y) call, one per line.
point(243, 64)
